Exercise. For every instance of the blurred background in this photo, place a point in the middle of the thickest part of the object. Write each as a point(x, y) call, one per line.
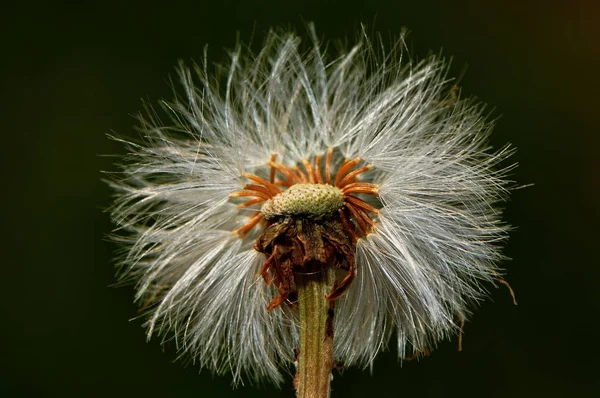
point(72, 72)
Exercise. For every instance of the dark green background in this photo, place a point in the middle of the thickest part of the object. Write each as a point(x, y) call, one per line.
point(71, 72)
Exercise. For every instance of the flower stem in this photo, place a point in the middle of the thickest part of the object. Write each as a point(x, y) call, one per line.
point(315, 358)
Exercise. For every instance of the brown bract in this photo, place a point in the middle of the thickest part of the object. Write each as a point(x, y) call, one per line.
point(301, 246)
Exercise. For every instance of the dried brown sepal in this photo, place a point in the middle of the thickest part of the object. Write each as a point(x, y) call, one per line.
point(302, 246)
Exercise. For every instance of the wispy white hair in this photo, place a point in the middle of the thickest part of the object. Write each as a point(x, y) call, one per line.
point(422, 267)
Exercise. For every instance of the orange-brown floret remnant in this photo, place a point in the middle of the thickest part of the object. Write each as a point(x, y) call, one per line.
point(344, 179)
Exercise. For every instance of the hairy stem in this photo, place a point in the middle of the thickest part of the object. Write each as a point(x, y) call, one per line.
point(315, 358)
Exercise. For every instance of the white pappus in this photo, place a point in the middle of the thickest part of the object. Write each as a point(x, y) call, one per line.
point(420, 210)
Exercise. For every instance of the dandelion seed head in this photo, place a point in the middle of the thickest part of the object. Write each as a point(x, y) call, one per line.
point(365, 161)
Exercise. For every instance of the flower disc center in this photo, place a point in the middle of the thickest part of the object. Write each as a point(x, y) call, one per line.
point(314, 201)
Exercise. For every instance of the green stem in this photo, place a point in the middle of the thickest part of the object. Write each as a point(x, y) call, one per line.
point(315, 358)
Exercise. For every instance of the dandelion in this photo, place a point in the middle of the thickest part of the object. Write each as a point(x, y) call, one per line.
point(300, 208)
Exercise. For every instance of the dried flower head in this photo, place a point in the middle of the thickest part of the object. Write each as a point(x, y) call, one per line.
point(289, 163)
